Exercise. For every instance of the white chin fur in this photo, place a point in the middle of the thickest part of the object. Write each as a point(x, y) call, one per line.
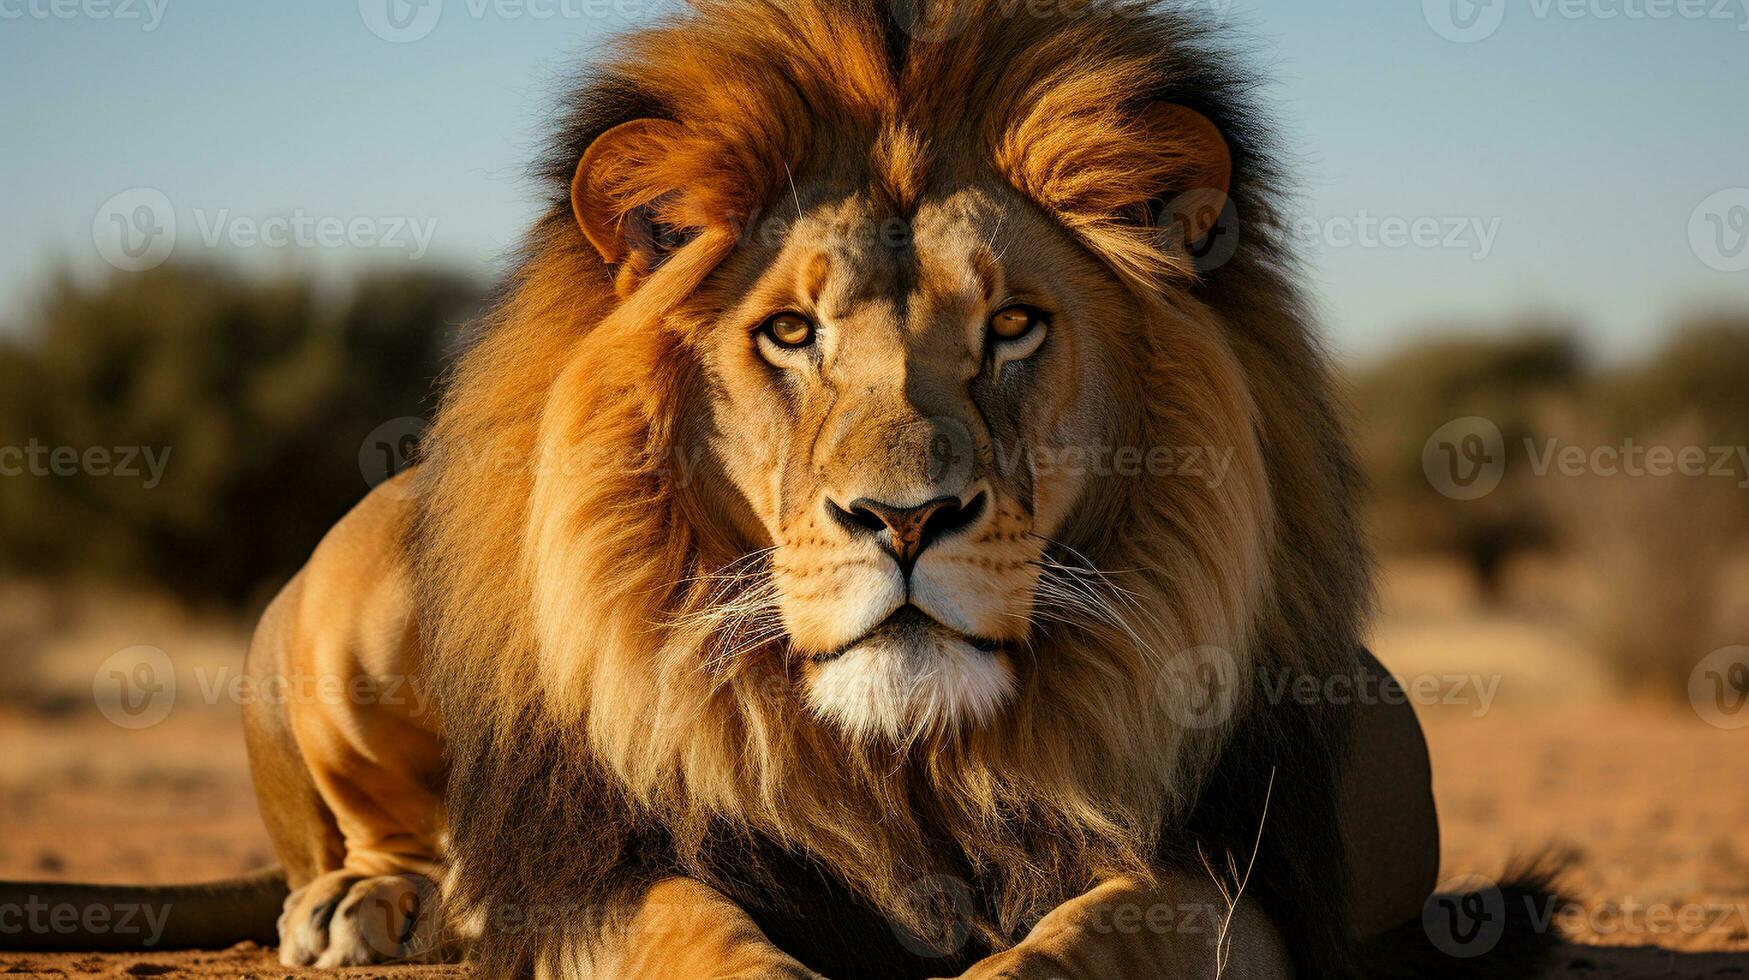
point(889, 687)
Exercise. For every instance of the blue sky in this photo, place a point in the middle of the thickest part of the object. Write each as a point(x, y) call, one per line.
point(1585, 158)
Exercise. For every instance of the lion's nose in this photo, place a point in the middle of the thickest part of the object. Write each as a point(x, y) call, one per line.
point(907, 531)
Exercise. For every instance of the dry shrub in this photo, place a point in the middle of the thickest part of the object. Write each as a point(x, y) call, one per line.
point(1402, 400)
point(1664, 558)
point(254, 394)
point(1656, 557)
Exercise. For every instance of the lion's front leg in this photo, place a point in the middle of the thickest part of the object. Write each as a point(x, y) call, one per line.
point(1179, 928)
point(683, 928)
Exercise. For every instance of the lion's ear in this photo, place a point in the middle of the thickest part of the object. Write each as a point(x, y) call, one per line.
point(1133, 185)
point(1197, 170)
point(618, 194)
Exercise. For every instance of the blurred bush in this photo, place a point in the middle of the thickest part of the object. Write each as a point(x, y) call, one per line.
point(261, 392)
point(1403, 400)
point(1655, 562)
point(1700, 377)
point(1660, 558)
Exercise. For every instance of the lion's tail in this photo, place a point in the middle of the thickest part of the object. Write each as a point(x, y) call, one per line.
point(51, 916)
point(1508, 931)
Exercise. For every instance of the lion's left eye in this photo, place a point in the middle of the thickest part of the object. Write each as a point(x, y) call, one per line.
point(1015, 322)
point(789, 330)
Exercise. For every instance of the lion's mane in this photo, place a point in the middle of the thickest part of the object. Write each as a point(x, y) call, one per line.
point(570, 544)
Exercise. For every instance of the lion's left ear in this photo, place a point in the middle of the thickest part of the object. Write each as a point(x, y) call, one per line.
point(1196, 171)
point(618, 193)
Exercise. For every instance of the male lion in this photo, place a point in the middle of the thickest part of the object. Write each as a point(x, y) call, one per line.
point(871, 537)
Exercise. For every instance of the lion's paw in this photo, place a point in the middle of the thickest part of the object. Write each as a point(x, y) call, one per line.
point(344, 919)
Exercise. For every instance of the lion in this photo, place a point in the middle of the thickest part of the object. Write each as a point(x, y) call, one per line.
point(870, 536)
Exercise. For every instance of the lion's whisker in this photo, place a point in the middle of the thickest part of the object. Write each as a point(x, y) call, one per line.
point(1087, 562)
point(715, 663)
point(1089, 572)
point(1077, 594)
point(730, 572)
point(736, 621)
point(1084, 597)
point(730, 569)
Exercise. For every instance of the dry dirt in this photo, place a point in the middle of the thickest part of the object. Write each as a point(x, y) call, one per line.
point(1648, 802)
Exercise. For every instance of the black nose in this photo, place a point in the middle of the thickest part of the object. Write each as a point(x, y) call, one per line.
point(906, 531)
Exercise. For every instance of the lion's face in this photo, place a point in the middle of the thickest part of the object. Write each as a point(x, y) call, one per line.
point(894, 399)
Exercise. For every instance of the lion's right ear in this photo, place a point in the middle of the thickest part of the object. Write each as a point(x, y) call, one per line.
point(618, 192)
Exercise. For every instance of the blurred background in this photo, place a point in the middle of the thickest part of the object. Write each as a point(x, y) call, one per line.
point(241, 240)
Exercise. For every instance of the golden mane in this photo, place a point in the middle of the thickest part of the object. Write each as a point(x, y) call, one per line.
point(570, 552)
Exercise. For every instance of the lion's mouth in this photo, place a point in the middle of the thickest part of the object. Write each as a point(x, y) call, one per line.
point(913, 628)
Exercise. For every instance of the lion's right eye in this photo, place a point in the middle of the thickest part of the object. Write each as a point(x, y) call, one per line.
point(1015, 322)
point(790, 331)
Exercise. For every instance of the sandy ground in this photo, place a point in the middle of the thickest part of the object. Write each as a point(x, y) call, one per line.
point(1649, 802)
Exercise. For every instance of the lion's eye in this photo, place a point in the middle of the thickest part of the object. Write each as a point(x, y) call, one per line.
point(788, 330)
point(1015, 322)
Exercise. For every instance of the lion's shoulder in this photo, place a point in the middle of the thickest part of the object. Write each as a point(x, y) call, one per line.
point(351, 611)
